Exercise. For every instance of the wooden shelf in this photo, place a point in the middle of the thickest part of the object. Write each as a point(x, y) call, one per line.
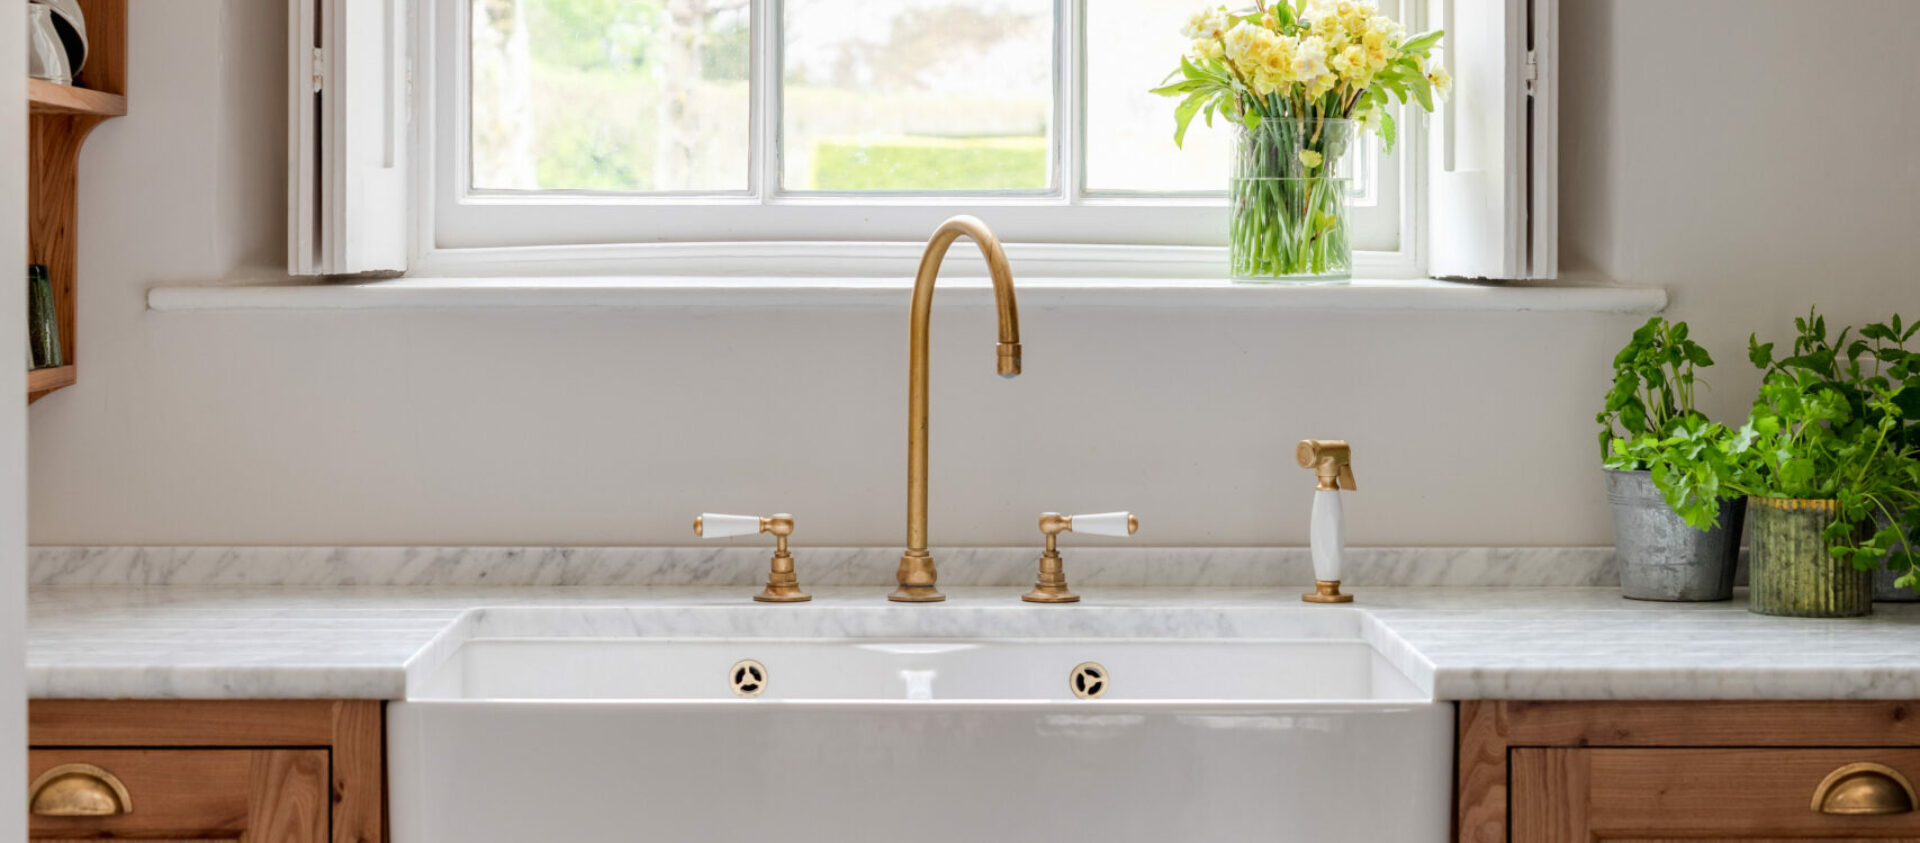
point(59, 119)
point(43, 381)
point(45, 97)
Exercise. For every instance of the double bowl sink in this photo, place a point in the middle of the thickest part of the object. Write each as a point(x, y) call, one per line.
point(853, 723)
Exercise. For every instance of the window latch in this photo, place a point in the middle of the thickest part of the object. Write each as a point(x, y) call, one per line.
point(319, 69)
point(1531, 71)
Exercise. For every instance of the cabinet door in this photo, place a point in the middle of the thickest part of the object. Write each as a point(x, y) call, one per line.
point(1697, 795)
point(277, 795)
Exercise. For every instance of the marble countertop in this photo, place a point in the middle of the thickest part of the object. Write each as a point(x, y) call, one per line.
point(1457, 642)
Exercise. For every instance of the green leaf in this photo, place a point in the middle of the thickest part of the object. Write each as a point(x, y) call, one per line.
point(1422, 91)
point(1183, 117)
point(1422, 42)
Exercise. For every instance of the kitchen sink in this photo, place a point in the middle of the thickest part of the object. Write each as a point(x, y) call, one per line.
point(720, 724)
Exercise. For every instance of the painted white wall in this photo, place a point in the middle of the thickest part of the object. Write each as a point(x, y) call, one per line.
point(13, 436)
point(1694, 163)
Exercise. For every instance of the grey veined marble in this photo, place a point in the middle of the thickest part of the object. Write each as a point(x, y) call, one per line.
point(1456, 643)
point(746, 564)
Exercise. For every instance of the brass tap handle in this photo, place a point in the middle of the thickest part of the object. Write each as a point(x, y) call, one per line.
point(783, 586)
point(1051, 587)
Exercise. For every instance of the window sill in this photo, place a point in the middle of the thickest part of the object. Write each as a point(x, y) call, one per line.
point(649, 292)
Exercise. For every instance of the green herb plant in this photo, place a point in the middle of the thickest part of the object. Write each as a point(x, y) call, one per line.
point(1834, 422)
point(1649, 422)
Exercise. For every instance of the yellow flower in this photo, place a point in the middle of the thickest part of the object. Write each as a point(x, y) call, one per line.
point(1379, 45)
point(1252, 49)
point(1206, 48)
point(1310, 59)
point(1387, 27)
point(1206, 23)
point(1354, 17)
point(1269, 21)
point(1328, 27)
point(1310, 158)
point(1353, 66)
point(1321, 85)
point(1441, 80)
point(1245, 43)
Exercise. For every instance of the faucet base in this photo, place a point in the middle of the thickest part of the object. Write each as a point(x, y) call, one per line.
point(782, 590)
point(916, 576)
point(1326, 591)
point(1051, 586)
point(782, 585)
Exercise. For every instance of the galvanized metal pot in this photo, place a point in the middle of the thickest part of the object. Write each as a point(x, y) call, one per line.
point(1792, 574)
point(1661, 558)
point(1884, 591)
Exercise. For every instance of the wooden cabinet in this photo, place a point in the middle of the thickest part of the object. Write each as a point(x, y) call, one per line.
point(1654, 772)
point(282, 771)
point(190, 794)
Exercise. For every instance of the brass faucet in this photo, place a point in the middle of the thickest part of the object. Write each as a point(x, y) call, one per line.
point(917, 574)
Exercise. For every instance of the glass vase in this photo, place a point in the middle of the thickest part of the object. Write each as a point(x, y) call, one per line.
point(1289, 202)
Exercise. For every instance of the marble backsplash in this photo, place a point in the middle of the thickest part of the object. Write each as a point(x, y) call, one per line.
point(746, 565)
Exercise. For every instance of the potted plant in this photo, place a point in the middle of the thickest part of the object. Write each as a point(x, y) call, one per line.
point(1898, 579)
point(1300, 79)
point(1676, 528)
point(1828, 473)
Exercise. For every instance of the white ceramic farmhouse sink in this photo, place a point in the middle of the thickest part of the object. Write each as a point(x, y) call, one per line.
point(553, 724)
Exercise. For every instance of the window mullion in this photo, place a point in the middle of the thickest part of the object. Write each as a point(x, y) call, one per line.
point(1070, 116)
point(764, 95)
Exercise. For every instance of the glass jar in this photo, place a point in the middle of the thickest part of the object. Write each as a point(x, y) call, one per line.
point(1289, 202)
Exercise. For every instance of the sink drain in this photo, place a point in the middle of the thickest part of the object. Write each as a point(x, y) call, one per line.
point(1088, 680)
point(748, 678)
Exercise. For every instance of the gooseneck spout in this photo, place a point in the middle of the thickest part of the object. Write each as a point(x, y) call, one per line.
point(917, 574)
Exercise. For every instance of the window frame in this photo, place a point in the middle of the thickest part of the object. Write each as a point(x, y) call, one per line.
point(461, 232)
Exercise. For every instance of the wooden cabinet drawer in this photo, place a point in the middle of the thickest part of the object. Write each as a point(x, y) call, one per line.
point(186, 794)
point(1561, 795)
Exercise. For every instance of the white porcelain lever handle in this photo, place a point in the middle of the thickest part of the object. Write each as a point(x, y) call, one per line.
point(713, 525)
point(1106, 524)
point(782, 585)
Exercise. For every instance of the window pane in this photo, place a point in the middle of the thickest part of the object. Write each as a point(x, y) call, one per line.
point(917, 95)
point(624, 96)
point(1131, 45)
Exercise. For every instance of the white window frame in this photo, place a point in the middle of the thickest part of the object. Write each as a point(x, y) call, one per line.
point(467, 232)
point(702, 236)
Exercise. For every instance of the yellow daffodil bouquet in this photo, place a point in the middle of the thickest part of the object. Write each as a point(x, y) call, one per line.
point(1300, 81)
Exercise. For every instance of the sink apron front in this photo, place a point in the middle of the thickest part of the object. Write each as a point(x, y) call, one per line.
point(931, 771)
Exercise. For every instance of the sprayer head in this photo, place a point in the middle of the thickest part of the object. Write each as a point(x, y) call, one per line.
point(1331, 459)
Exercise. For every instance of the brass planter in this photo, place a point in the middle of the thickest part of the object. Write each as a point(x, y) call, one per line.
point(1792, 573)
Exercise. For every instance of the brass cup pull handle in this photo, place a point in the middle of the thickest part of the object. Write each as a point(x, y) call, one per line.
point(78, 790)
point(1864, 788)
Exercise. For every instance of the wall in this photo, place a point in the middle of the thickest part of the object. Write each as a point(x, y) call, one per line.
point(1748, 183)
point(13, 443)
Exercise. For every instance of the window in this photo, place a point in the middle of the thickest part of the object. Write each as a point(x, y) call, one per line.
point(628, 135)
point(636, 121)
